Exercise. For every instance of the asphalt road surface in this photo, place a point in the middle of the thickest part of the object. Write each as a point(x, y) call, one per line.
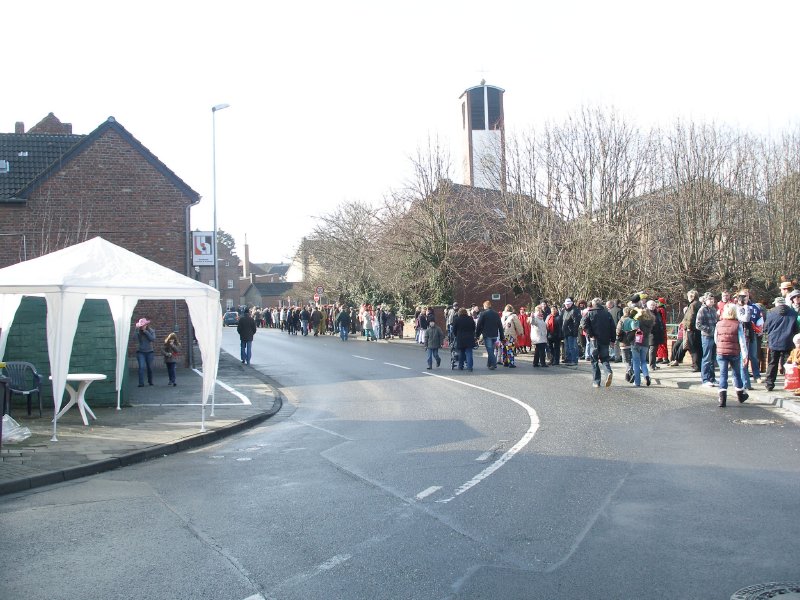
point(381, 480)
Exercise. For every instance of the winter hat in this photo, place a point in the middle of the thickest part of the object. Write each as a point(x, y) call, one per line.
point(796, 339)
point(142, 322)
point(779, 301)
point(662, 300)
point(794, 294)
point(568, 301)
point(635, 298)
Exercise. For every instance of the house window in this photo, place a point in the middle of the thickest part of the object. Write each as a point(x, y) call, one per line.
point(230, 284)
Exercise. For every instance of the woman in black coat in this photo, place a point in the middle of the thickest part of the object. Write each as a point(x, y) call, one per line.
point(464, 333)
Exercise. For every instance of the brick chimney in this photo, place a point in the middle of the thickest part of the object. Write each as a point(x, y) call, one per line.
point(19, 127)
point(246, 262)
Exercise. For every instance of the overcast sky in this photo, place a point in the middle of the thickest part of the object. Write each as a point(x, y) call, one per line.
point(330, 100)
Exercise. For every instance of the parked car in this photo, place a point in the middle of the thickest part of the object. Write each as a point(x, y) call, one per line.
point(230, 318)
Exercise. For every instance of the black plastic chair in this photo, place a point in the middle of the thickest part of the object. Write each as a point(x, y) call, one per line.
point(25, 380)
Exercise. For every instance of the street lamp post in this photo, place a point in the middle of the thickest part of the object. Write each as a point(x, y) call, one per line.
point(214, 110)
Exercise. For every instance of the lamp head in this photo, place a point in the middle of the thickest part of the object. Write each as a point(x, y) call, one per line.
point(219, 107)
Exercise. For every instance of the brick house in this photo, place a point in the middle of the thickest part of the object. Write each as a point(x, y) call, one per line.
point(58, 188)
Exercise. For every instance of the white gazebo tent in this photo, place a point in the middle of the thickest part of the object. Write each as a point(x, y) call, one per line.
point(98, 269)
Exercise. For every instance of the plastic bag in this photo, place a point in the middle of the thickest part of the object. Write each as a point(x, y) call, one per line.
point(13, 431)
point(792, 374)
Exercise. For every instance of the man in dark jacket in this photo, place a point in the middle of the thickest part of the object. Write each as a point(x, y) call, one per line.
point(601, 331)
point(246, 329)
point(491, 326)
point(570, 321)
point(692, 338)
point(343, 323)
point(780, 327)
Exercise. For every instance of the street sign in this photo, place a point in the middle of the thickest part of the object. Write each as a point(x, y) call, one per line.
point(316, 297)
point(320, 290)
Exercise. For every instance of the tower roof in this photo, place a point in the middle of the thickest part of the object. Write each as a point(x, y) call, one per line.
point(483, 85)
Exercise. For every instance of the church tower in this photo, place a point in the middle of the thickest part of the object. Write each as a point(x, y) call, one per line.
point(483, 124)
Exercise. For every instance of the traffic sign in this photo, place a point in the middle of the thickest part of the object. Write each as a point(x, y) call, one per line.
point(319, 290)
point(316, 297)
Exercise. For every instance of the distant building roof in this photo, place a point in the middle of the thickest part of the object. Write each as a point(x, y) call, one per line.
point(279, 269)
point(273, 288)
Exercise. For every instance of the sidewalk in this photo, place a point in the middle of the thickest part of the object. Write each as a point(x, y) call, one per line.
point(159, 420)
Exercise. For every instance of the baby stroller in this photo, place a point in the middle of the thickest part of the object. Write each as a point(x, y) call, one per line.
point(397, 330)
point(454, 352)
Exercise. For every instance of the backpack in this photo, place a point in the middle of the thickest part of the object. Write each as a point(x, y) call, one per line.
point(550, 323)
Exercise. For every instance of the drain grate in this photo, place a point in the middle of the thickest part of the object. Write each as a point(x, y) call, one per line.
point(764, 591)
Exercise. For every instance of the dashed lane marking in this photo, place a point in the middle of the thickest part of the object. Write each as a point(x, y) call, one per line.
point(398, 366)
point(362, 357)
point(425, 493)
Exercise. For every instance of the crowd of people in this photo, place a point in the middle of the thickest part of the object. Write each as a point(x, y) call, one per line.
point(722, 335)
point(380, 322)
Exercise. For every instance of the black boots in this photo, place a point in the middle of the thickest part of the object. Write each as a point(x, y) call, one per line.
point(741, 396)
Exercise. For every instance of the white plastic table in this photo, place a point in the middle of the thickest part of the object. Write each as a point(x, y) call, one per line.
point(78, 396)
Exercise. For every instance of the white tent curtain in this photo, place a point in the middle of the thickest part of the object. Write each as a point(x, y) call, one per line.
point(99, 269)
point(63, 311)
point(121, 311)
point(209, 337)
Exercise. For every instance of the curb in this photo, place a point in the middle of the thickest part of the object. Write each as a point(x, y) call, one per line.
point(139, 456)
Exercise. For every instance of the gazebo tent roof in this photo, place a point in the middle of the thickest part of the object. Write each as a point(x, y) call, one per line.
point(99, 269)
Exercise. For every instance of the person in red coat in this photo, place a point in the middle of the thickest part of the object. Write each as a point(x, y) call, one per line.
point(524, 341)
point(662, 355)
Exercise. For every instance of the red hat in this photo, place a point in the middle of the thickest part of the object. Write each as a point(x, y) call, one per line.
point(662, 300)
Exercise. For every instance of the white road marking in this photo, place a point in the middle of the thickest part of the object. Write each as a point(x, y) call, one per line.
point(523, 441)
point(333, 562)
point(486, 455)
point(256, 597)
point(225, 386)
point(362, 357)
point(431, 490)
point(398, 366)
point(328, 431)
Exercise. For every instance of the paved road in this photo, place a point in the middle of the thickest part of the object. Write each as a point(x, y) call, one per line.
point(381, 480)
